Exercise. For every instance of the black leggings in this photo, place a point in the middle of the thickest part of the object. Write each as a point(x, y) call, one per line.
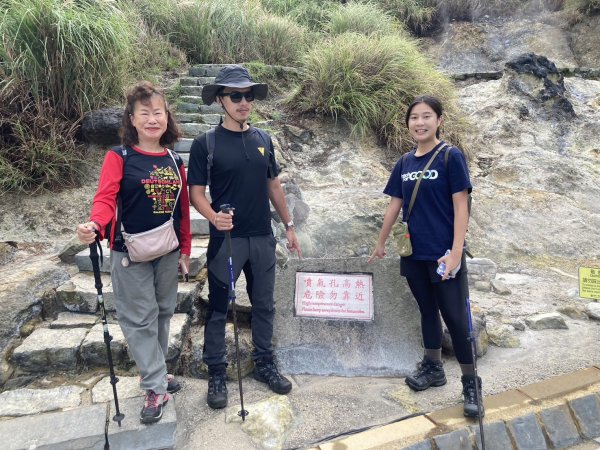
point(445, 297)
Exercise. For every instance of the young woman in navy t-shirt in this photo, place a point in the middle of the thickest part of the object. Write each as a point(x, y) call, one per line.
point(437, 223)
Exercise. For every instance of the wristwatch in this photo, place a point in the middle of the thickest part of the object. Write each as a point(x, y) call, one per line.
point(289, 225)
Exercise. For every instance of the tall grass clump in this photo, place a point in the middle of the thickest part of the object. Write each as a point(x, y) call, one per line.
point(362, 18)
point(371, 81)
point(75, 55)
point(214, 31)
point(59, 60)
point(313, 14)
point(415, 14)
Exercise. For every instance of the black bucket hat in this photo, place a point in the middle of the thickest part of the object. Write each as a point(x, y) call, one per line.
point(233, 76)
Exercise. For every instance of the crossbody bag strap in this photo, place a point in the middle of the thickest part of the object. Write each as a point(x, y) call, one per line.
point(180, 181)
point(416, 189)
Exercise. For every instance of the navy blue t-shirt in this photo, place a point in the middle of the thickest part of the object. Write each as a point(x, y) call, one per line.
point(242, 165)
point(431, 222)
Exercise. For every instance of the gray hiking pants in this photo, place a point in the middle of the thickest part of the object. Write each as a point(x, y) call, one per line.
point(255, 255)
point(145, 299)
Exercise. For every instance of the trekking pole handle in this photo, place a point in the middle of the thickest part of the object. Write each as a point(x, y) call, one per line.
point(226, 208)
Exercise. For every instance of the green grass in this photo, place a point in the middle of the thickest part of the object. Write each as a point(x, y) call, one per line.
point(214, 31)
point(313, 14)
point(73, 54)
point(367, 19)
point(371, 80)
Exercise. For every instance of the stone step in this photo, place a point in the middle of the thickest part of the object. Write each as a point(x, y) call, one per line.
point(195, 81)
point(56, 430)
point(55, 349)
point(205, 70)
point(211, 119)
point(191, 130)
point(199, 223)
point(190, 90)
point(182, 147)
point(195, 99)
point(186, 107)
point(79, 295)
point(82, 259)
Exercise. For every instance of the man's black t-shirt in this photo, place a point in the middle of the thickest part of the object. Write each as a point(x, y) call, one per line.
point(242, 164)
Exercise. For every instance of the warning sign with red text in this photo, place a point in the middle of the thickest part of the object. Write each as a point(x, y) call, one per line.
point(334, 295)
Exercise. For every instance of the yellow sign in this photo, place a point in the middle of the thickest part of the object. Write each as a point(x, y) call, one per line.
point(589, 282)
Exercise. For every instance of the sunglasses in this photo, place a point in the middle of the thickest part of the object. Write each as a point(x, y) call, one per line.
point(236, 97)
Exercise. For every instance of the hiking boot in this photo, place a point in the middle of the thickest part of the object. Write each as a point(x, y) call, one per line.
point(266, 371)
point(217, 390)
point(429, 373)
point(470, 394)
point(152, 410)
point(172, 384)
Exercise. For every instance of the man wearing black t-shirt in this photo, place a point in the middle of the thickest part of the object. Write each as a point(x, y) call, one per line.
point(242, 173)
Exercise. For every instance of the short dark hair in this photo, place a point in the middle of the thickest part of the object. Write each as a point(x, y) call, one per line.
point(430, 101)
point(142, 92)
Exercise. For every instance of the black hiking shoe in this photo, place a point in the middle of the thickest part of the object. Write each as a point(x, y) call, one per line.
point(429, 373)
point(470, 394)
point(266, 371)
point(152, 410)
point(217, 390)
point(172, 384)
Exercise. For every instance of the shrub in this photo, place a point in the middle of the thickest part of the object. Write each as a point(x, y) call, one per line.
point(38, 150)
point(73, 54)
point(371, 81)
point(360, 18)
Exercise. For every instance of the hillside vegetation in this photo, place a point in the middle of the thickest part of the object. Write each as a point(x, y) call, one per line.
point(360, 60)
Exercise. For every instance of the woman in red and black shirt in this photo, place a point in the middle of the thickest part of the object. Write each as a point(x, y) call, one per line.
point(145, 178)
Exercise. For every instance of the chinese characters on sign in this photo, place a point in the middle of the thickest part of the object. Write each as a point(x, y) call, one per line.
point(334, 296)
point(589, 283)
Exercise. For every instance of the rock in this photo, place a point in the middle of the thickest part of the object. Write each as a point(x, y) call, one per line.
point(297, 134)
point(592, 309)
point(539, 79)
point(21, 295)
point(47, 349)
point(503, 336)
point(6, 252)
point(553, 321)
point(22, 402)
point(574, 312)
point(483, 286)
point(267, 422)
point(102, 126)
point(481, 269)
point(499, 287)
point(70, 249)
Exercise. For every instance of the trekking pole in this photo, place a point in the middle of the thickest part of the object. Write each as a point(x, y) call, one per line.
point(226, 208)
point(107, 337)
point(477, 391)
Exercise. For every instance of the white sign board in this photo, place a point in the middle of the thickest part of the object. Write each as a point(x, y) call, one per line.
point(334, 295)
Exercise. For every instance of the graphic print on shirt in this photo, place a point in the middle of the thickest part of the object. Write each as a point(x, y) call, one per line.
point(161, 187)
point(261, 150)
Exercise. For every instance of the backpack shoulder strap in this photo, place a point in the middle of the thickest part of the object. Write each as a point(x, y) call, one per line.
point(210, 147)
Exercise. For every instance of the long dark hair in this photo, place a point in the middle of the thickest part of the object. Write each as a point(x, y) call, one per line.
point(142, 92)
point(430, 101)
